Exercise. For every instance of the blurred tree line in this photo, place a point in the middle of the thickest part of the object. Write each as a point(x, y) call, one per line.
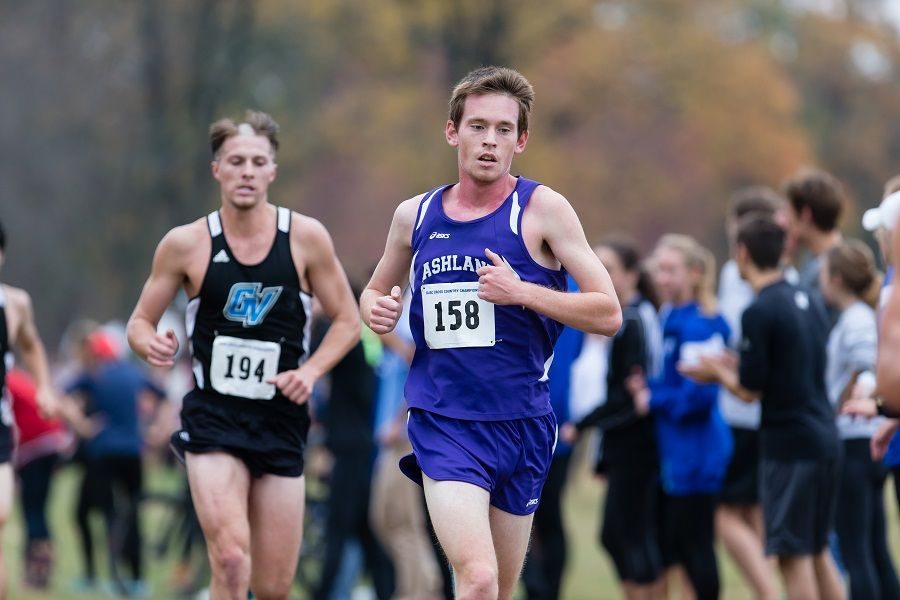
point(648, 114)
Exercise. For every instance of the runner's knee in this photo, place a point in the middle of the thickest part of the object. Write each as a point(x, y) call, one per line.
point(231, 563)
point(272, 590)
point(478, 580)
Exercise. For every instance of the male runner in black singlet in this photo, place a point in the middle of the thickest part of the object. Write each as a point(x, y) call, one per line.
point(250, 270)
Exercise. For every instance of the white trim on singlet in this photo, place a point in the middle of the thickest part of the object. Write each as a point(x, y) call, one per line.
point(190, 316)
point(424, 206)
point(506, 262)
point(215, 223)
point(190, 321)
point(284, 219)
point(306, 300)
point(197, 367)
point(412, 272)
point(514, 214)
point(546, 375)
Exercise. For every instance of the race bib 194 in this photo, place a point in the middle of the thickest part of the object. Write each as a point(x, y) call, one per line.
point(241, 367)
point(455, 317)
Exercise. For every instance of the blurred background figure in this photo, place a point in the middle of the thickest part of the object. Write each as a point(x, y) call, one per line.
point(347, 416)
point(739, 519)
point(397, 506)
point(694, 442)
point(545, 564)
point(40, 444)
point(630, 459)
point(881, 222)
point(817, 199)
point(108, 395)
point(847, 280)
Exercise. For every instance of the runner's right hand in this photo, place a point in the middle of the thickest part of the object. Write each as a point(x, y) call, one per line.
point(163, 348)
point(386, 311)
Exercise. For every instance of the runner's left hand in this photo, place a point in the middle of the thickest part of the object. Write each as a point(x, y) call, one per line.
point(296, 384)
point(497, 283)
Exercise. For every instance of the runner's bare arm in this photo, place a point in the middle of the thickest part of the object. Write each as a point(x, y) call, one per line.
point(595, 308)
point(329, 284)
point(31, 349)
point(887, 373)
point(380, 304)
point(167, 275)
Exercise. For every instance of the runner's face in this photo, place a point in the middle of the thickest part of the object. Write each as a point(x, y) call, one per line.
point(487, 138)
point(672, 276)
point(244, 169)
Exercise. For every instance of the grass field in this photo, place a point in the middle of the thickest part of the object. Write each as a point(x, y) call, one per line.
point(589, 574)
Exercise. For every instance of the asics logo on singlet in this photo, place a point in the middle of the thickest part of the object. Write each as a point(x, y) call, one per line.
point(439, 236)
point(531, 502)
point(249, 303)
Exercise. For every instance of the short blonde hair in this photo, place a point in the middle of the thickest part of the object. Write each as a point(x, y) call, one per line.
point(261, 123)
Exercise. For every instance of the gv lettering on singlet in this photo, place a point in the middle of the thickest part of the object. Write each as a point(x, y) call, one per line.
point(240, 367)
point(249, 303)
point(455, 317)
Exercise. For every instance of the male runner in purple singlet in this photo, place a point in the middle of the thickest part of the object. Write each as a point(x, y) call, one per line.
point(489, 257)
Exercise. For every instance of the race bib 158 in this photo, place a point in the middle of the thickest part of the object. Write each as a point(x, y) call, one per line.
point(455, 317)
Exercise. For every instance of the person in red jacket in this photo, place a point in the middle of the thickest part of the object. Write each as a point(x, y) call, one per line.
point(39, 442)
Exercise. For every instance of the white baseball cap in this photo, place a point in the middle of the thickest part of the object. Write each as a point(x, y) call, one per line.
point(885, 215)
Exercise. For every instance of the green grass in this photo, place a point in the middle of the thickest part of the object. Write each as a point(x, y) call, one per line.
point(68, 550)
point(589, 573)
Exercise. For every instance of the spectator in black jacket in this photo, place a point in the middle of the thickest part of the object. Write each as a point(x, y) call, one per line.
point(630, 528)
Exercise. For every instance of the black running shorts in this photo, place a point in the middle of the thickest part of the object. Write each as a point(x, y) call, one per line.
point(267, 440)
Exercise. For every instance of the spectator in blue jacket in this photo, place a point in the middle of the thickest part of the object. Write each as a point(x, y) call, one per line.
point(111, 392)
point(694, 441)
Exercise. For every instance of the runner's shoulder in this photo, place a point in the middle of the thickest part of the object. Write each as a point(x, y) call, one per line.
point(16, 298)
point(406, 212)
point(309, 232)
point(546, 200)
point(183, 240)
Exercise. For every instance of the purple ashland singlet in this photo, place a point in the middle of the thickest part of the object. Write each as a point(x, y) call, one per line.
point(476, 360)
